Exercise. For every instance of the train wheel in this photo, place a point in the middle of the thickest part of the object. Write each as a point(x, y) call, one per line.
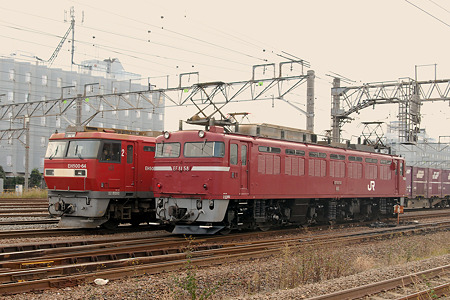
point(135, 223)
point(264, 227)
point(111, 224)
point(225, 231)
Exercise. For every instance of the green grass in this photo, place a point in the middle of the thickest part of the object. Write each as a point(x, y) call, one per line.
point(31, 193)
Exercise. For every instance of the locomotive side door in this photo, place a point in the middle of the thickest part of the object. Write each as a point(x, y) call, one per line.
point(244, 165)
point(130, 161)
point(399, 173)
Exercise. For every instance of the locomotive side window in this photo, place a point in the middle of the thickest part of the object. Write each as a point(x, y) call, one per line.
point(55, 149)
point(149, 149)
point(168, 150)
point(318, 154)
point(110, 152)
point(355, 158)
point(295, 152)
point(337, 156)
point(269, 149)
point(244, 155)
point(83, 149)
point(233, 154)
point(371, 160)
point(204, 149)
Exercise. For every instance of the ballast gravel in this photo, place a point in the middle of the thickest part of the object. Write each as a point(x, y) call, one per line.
point(280, 276)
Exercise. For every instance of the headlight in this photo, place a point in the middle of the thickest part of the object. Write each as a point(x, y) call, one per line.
point(201, 133)
point(166, 134)
point(80, 172)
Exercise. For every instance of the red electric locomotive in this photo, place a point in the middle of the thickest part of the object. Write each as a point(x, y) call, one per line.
point(100, 178)
point(207, 181)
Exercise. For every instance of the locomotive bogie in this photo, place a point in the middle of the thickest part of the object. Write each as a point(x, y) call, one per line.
point(191, 210)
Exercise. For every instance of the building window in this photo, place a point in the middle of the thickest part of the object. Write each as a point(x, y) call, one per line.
point(27, 97)
point(149, 115)
point(138, 114)
point(126, 113)
point(87, 107)
point(43, 121)
point(9, 161)
point(12, 74)
point(59, 82)
point(114, 112)
point(44, 79)
point(43, 143)
point(10, 96)
point(100, 124)
point(74, 83)
point(160, 117)
point(28, 77)
point(58, 122)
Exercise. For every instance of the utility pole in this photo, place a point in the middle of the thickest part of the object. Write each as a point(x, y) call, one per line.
point(335, 107)
point(27, 150)
point(72, 22)
point(310, 101)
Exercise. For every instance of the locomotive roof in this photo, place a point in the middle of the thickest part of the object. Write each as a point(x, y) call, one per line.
point(101, 135)
point(273, 141)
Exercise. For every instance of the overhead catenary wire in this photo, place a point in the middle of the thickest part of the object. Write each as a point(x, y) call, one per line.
point(431, 15)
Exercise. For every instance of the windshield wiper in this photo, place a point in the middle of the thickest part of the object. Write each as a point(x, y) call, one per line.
point(79, 154)
point(204, 144)
point(53, 155)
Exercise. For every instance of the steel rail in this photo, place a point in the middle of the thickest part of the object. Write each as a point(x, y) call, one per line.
point(29, 222)
point(434, 292)
point(151, 264)
point(390, 284)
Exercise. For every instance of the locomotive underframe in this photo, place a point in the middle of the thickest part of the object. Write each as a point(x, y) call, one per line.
point(89, 209)
point(211, 216)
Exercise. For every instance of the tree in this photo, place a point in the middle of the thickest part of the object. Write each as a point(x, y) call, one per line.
point(35, 178)
point(2, 173)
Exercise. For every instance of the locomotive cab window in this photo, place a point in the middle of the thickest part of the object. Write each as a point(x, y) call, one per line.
point(83, 149)
point(204, 149)
point(56, 149)
point(168, 150)
point(110, 152)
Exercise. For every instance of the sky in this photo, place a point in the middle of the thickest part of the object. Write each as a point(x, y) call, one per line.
point(364, 41)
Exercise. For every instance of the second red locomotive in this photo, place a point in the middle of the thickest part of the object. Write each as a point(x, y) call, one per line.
point(210, 181)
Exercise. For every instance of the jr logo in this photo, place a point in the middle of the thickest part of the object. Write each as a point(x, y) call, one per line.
point(371, 186)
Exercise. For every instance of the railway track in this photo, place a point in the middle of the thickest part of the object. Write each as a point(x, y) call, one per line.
point(22, 271)
point(429, 284)
point(29, 222)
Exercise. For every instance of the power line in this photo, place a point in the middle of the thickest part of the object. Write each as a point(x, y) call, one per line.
point(439, 6)
point(434, 17)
